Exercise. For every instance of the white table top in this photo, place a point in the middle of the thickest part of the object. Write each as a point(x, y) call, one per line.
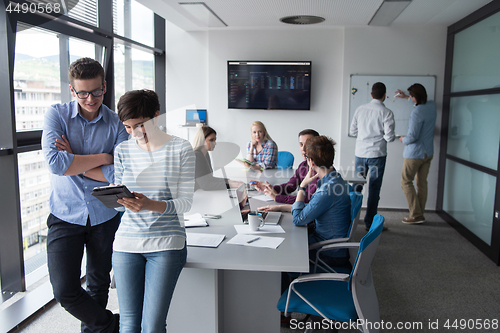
point(290, 256)
point(273, 176)
point(235, 171)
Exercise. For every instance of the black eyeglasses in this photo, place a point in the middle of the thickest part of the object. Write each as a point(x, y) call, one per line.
point(85, 94)
point(305, 155)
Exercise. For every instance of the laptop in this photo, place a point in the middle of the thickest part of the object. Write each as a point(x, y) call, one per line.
point(241, 194)
point(271, 218)
point(194, 117)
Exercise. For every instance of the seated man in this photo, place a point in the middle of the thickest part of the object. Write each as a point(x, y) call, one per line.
point(330, 206)
point(281, 193)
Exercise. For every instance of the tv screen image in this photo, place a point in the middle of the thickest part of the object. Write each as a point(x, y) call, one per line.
point(282, 85)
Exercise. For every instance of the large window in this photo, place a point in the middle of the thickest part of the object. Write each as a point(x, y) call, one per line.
point(34, 191)
point(469, 195)
point(36, 55)
point(132, 63)
point(37, 81)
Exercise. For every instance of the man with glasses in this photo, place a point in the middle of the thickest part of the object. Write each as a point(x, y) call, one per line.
point(78, 143)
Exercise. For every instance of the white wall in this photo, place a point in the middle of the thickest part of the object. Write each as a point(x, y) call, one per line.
point(393, 51)
point(197, 74)
point(187, 76)
point(322, 47)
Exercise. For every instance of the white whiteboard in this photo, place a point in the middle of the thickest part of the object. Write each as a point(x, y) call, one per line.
point(361, 87)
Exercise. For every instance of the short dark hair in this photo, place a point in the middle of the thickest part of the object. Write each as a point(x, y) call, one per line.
point(378, 90)
point(418, 92)
point(85, 69)
point(320, 149)
point(138, 104)
point(309, 132)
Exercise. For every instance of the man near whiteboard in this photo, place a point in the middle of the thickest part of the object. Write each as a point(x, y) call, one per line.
point(373, 125)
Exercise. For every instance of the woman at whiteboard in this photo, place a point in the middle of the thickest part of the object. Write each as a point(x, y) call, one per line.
point(418, 151)
point(261, 150)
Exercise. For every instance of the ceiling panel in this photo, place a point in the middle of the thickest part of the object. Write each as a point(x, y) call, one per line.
point(262, 14)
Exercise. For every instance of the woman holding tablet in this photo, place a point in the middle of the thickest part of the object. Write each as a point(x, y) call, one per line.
point(149, 250)
point(261, 150)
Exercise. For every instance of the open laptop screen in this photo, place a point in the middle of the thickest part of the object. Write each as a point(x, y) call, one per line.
point(194, 117)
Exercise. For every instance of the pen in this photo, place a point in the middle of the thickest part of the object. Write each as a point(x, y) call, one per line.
point(253, 183)
point(398, 94)
point(253, 240)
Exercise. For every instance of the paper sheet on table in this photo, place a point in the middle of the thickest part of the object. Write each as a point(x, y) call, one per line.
point(204, 240)
point(267, 229)
point(263, 197)
point(194, 220)
point(263, 241)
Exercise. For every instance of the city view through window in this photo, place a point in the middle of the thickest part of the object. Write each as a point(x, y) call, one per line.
point(37, 85)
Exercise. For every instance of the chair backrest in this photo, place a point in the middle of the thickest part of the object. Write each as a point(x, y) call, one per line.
point(356, 201)
point(285, 160)
point(361, 281)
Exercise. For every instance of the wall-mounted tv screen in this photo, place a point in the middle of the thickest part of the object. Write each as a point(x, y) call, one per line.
point(282, 85)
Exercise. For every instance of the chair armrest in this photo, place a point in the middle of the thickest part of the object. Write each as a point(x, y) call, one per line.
point(348, 245)
point(326, 242)
point(330, 247)
point(321, 277)
point(309, 278)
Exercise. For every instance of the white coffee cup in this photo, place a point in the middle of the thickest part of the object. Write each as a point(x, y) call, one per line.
point(255, 221)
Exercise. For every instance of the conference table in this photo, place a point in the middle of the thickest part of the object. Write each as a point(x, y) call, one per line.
point(234, 288)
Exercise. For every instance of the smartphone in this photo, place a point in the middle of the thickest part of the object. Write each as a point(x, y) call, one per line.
point(212, 216)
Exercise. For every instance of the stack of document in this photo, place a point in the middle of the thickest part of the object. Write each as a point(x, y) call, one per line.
point(194, 220)
point(204, 240)
point(267, 229)
point(263, 197)
point(260, 241)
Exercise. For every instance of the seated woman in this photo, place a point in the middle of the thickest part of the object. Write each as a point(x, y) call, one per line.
point(262, 150)
point(203, 142)
point(329, 207)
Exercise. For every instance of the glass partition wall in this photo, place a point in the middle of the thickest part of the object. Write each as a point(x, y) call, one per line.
point(469, 164)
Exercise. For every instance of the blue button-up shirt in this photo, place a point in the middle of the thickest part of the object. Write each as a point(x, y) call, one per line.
point(70, 196)
point(330, 208)
point(420, 138)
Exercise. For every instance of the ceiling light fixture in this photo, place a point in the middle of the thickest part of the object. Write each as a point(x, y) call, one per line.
point(203, 13)
point(388, 11)
point(302, 19)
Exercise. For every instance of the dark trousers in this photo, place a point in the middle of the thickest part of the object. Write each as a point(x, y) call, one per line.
point(65, 245)
point(375, 167)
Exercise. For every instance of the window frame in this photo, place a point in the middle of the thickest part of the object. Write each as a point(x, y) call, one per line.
point(12, 143)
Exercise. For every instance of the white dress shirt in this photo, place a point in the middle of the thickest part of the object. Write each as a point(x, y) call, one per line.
point(373, 125)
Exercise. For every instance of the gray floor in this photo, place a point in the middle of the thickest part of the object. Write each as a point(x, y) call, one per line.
point(422, 273)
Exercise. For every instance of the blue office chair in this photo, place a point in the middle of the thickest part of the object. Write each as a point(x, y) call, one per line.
point(285, 160)
point(338, 296)
point(320, 265)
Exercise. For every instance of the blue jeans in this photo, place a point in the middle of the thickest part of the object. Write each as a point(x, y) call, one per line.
point(65, 246)
point(375, 168)
point(145, 284)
